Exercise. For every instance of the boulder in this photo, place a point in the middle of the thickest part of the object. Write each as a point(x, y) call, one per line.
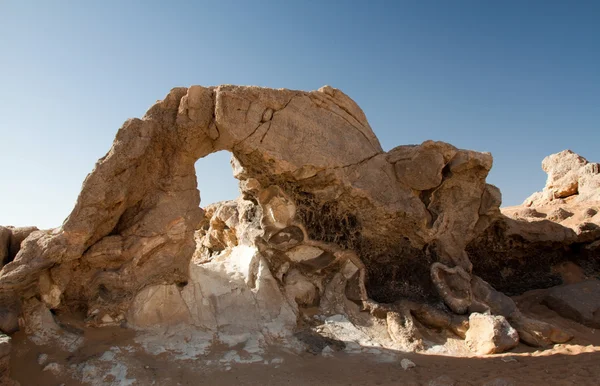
point(569, 175)
point(559, 214)
point(489, 334)
point(579, 302)
point(563, 173)
point(158, 305)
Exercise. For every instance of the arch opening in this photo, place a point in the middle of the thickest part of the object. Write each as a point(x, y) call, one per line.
point(215, 179)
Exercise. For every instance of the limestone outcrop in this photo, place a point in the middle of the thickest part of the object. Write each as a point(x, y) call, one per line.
point(569, 176)
point(10, 242)
point(553, 238)
point(326, 221)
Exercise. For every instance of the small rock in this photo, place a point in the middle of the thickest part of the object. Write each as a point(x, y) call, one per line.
point(42, 358)
point(589, 213)
point(559, 214)
point(5, 345)
point(490, 334)
point(54, 368)
point(407, 364)
point(530, 213)
point(327, 351)
point(585, 226)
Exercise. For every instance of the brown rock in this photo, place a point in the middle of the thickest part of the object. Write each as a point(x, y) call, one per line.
point(18, 234)
point(569, 175)
point(579, 301)
point(589, 213)
point(5, 234)
point(559, 214)
point(5, 352)
point(563, 172)
point(422, 171)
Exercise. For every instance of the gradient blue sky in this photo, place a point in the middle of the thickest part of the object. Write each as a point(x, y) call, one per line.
point(520, 79)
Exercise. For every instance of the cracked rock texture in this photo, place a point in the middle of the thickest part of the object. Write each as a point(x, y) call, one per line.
point(326, 221)
point(133, 224)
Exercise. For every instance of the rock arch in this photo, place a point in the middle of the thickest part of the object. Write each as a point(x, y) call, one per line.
point(310, 158)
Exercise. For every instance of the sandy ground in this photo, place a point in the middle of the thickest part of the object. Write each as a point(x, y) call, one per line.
point(575, 363)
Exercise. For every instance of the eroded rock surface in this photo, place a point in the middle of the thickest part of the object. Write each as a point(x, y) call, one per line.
point(578, 301)
point(569, 175)
point(330, 236)
point(552, 239)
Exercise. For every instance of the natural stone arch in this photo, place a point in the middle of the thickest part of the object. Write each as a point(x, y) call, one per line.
point(133, 224)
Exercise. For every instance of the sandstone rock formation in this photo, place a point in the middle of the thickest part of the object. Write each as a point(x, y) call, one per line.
point(569, 176)
point(326, 221)
point(553, 238)
point(10, 242)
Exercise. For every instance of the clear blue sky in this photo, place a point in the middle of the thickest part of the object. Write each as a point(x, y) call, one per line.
point(520, 79)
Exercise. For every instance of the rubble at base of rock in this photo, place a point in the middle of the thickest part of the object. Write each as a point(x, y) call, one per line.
point(332, 245)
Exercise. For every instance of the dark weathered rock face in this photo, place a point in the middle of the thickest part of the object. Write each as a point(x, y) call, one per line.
point(325, 216)
point(531, 246)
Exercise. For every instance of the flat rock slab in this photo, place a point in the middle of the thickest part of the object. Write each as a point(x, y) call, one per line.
point(579, 302)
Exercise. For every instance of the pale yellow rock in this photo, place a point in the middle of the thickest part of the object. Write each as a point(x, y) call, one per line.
point(303, 253)
point(299, 288)
point(489, 334)
point(157, 306)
